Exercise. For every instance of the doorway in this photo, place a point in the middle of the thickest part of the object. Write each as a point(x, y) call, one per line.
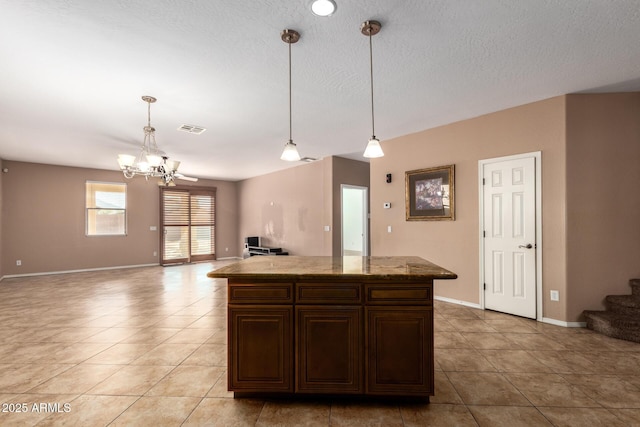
point(511, 234)
point(354, 220)
point(187, 221)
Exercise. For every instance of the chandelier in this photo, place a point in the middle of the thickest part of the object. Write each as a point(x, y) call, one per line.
point(151, 162)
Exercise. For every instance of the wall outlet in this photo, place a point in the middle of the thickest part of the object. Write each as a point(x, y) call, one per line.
point(388, 229)
point(153, 228)
point(155, 253)
point(18, 262)
point(555, 296)
point(226, 249)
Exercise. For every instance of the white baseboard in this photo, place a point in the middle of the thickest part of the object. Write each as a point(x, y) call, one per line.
point(229, 258)
point(544, 319)
point(455, 301)
point(48, 273)
point(563, 323)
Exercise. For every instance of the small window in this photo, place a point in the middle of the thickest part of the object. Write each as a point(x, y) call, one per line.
point(106, 209)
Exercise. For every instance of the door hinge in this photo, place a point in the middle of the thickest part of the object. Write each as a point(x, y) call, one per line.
point(485, 286)
point(482, 181)
point(484, 233)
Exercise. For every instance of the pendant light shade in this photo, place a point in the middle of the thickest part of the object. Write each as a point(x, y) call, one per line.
point(369, 29)
point(373, 149)
point(290, 152)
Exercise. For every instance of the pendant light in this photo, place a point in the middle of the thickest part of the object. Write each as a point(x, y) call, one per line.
point(371, 28)
point(290, 152)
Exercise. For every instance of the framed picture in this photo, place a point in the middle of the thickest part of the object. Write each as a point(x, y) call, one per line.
point(430, 194)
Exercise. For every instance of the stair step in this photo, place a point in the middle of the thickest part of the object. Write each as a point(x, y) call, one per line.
point(615, 325)
point(625, 304)
point(635, 287)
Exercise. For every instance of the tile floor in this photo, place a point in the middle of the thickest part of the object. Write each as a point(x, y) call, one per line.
point(146, 346)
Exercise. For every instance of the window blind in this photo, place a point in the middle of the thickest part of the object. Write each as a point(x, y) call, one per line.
point(188, 224)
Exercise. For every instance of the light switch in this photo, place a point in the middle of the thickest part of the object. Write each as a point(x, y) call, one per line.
point(388, 229)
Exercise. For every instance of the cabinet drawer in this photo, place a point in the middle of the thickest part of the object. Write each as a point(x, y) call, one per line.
point(401, 293)
point(328, 293)
point(260, 293)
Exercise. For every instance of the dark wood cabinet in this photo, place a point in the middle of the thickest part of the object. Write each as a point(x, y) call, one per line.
point(399, 351)
point(331, 325)
point(331, 338)
point(328, 349)
point(260, 351)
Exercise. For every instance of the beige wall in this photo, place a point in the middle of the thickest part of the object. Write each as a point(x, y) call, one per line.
point(287, 209)
point(454, 245)
point(290, 208)
point(1, 216)
point(44, 220)
point(603, 197)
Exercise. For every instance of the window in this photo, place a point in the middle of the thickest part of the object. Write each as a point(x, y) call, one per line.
point(188, 224)
point(106, 205)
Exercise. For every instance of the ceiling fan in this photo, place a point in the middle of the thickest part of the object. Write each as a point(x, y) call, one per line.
point(168, 173)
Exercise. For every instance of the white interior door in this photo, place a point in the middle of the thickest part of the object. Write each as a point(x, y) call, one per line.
point(355, 203)
point(509, 243)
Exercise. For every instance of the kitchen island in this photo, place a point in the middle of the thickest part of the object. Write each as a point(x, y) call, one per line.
point(331, 325)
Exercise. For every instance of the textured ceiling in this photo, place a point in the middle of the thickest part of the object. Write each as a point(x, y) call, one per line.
point(73, 72)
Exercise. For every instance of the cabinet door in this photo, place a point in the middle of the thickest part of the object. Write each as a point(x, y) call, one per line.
point(260, 348)
point(399, 343)
point(329, 355)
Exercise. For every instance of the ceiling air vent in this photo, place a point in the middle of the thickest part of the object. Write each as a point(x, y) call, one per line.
point(196, 130)
point(308, 159)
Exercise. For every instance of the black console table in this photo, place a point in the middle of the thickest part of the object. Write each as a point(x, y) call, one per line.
point(261, 250)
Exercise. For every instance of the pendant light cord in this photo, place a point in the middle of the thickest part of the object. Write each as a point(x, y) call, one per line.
point(290, 119)
point(373, 127)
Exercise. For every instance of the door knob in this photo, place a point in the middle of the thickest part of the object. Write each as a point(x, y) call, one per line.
point(527, 246)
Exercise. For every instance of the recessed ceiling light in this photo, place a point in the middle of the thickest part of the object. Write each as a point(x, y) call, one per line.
point(323, 7)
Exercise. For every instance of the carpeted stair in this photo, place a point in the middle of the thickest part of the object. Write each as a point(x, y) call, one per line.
point(622, 317)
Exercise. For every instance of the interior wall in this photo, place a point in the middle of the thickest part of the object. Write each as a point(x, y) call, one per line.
point(1, 216)
point(454, 245)
point(603, 200)
point(287, 209)
point(350, 172)
point(44, 220)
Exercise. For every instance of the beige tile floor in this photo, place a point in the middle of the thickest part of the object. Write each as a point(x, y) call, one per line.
point(146, 346)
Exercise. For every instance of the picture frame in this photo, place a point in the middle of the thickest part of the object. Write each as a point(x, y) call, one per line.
point(429, 194)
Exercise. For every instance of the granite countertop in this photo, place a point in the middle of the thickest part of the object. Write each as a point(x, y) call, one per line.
point(310, 267)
